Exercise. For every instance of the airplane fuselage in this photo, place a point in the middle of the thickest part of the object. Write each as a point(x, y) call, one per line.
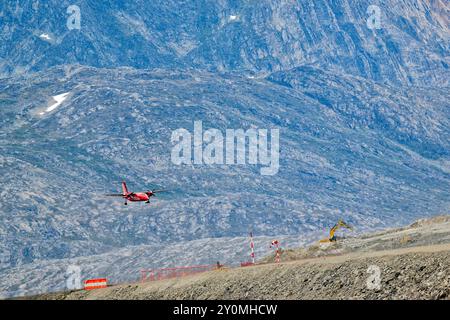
point(138, 196)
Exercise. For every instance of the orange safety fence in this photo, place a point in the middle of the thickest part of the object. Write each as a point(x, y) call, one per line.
point(167, 273)
point(247, 264)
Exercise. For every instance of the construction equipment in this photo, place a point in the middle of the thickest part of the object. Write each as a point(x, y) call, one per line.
point(333, 230)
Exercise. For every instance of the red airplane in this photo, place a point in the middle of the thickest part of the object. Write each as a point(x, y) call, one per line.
point(134, 196)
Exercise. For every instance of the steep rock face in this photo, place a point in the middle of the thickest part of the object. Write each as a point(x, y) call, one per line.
point(409, 47)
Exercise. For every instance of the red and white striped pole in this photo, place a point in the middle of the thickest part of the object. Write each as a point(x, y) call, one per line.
point(276, 243)
point(252, 247)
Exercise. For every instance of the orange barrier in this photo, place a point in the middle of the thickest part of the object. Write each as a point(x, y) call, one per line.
point(167, 273)
point(247, 264)
point(95, 284)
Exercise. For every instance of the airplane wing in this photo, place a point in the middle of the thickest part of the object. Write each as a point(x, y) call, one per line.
point(156, 191)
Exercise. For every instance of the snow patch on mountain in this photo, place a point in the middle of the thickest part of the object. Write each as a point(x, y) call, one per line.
point(58, 100)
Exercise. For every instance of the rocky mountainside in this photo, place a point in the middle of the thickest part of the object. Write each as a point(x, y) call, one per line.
point(363, 115)
point(407, 43)
point(117, 124)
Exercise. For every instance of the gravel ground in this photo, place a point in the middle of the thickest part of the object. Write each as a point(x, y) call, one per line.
point(406, 263)
point(414, 275)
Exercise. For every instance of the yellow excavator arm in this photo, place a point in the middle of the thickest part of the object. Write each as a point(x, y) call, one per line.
point(333, 230)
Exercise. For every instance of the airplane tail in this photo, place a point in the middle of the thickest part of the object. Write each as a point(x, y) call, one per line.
point(124, 188)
